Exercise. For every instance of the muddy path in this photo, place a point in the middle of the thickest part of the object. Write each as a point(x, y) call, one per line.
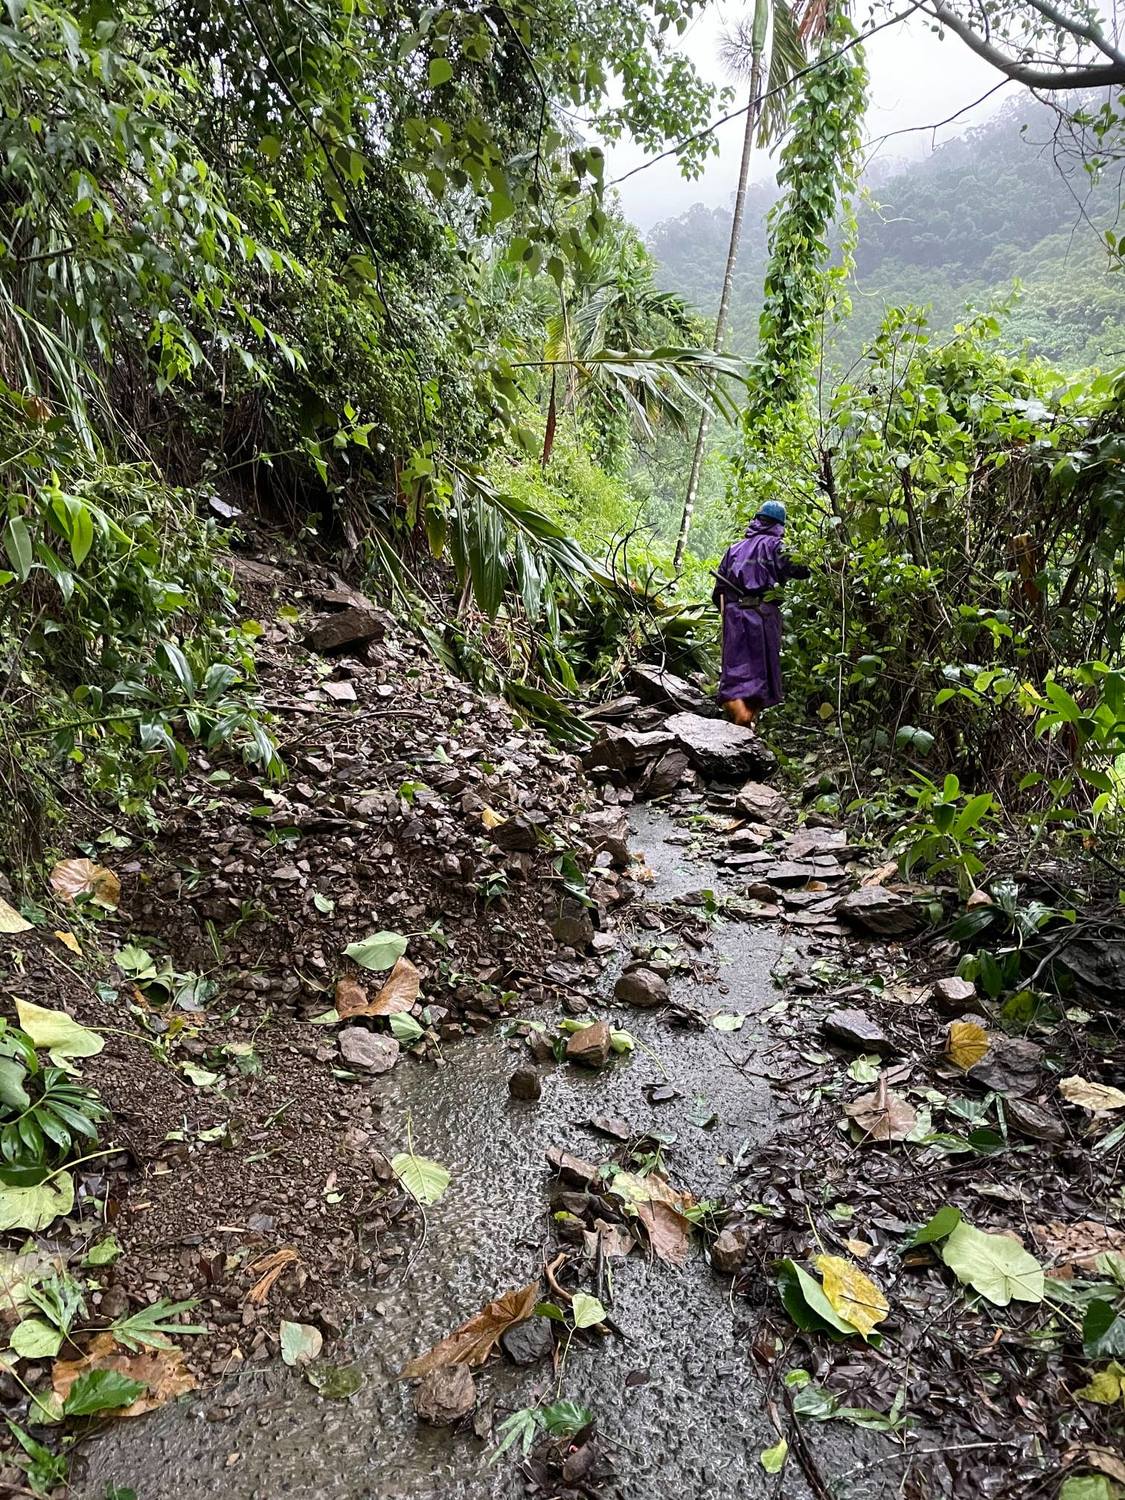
point(693, 1418)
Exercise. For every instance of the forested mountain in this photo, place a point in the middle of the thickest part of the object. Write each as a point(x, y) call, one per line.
point(987, 210)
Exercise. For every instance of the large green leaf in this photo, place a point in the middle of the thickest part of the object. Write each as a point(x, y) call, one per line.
point(997, 1267)
point(101, 1390)
point(423, 1179)
point(59, 1033)
point(35, 1207)
point(380, 951)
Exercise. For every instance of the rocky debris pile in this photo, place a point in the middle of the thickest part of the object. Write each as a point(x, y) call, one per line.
point(415, 804)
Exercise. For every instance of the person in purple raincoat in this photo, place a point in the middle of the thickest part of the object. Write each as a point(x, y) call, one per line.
point(750, 572)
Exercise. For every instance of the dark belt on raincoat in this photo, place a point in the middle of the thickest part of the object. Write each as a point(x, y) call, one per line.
point(735, 595)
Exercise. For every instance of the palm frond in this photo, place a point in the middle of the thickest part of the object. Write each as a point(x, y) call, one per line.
point(787, 58)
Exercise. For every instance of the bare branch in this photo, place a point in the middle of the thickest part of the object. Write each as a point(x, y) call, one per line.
point(1079, 76)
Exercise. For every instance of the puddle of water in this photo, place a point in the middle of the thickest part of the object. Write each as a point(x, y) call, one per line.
point(698, 1424)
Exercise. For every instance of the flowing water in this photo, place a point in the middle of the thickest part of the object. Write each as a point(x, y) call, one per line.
point(694, 1428)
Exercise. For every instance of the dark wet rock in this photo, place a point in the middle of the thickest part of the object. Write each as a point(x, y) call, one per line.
point(612, 709)
point(528, 1343)
point(627, 749)
point(656, 685)
point(1012, 1066)
point(517, 834)
point(719, 750)
point(574, 926)
point(758, 801)
point(730, 1247)
point(664, 775)
point(525, 1083)
point(608, 832)
point(350, 627)
point(796, 871)
point(540, 1047)
point(445, 1395)
point(1033, 1121)
point(1100, 965)
point(367, 1049)
point(642, 987)
point(955, 997)
point(813, 841)
point(856, 1029)
point(589, 1048)
point(879, 911)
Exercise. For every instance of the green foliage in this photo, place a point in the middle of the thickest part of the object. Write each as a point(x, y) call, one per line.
point(947, 830)
point(46, 1117)
point(818, 165)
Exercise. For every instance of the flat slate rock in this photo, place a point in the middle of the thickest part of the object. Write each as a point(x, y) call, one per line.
point(628, 749)
point(655, 685)
point(350, 627)
point(882, 912)
point(719, 750)
point(756, 800)
point(855, 1028)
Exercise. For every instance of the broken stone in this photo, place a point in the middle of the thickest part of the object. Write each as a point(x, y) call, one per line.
point(339, 692)
point(955, 997)
point(719, 750)
point(730, 1247)
point(589, 1048)
point(664, 775)
point(351, 627)
point(758, 801)
point(574, 926)
point(445, 1395)
point(883, 912)
point(655, 685)
point(528, 1343)
point(613, 708)
point(525, 1083)
point(627, 749)
point(794, 872)
point(815, 841)
point(641, 987)
point(367, 1049)
point(608, 832)
point(517, 834)
point(856, 1029)
point(540, 1047)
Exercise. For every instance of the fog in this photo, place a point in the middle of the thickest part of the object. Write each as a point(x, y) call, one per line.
point(918, 80)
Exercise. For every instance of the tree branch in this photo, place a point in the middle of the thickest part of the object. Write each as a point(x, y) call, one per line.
point(1097, 75)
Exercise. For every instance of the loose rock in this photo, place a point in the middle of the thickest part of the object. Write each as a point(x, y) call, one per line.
point(589, 1048)
point(730, 1247)
point(641, 987)
point(883, 912)
point(525, 1083)
point(528, 1343)
point(758, 801)
point(368, 1049)
point(350, 627)
point(956, 997)
point(721, 751)
point(855, 1028)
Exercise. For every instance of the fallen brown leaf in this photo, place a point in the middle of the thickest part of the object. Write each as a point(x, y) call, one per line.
point(72, 878)
point(161, 1370)
point(68, 940)
point(883, 1115)
point(661, 1209)
point(1092, 1096)
point(474, 1341)
point(270, 1268)
point(1076, 1247)
point(882, 874)
point(397, 995)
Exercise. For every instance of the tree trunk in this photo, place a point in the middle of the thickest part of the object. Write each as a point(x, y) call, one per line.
point(724, 302)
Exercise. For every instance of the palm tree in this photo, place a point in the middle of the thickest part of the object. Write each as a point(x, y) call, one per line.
point(746, 51)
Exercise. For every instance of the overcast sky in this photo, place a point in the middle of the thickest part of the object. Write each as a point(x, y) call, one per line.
point(916, 80)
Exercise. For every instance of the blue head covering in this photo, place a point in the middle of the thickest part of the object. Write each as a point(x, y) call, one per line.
point(773, 510)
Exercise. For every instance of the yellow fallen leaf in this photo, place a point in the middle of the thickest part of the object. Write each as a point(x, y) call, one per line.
point(10, 919)
point(859, 1248)
point(1106, 1387)
point(68, 940)
point(72, 878)
point(966, 1043)
point(1091, 1096)
point(491, 819)
point(852, 1294)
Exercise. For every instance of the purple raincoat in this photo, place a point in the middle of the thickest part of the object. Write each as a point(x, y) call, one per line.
point(752, 626)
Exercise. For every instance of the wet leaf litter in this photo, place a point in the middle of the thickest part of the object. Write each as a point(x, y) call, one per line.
point(876, 1223)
